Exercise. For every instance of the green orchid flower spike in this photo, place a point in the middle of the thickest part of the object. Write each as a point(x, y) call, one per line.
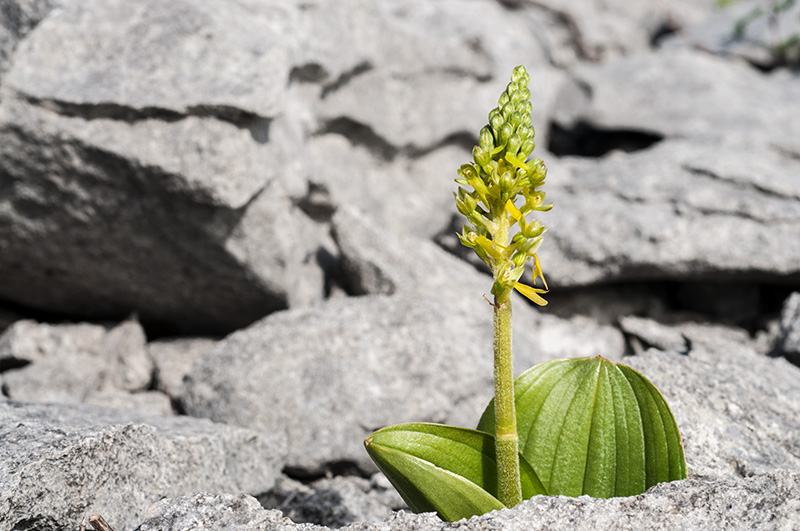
point(500, 178)
point(568, 427)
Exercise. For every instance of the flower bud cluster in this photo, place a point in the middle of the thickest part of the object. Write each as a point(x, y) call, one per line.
point(504, 192)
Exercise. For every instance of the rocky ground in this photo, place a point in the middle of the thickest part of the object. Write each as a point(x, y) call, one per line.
point(228, 252)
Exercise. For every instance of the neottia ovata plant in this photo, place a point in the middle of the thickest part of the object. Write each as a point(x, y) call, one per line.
point(569, 427)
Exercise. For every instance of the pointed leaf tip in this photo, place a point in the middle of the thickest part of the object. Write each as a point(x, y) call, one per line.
point(445, 469)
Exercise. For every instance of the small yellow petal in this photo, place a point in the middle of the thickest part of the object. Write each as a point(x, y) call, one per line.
point(516, 161)
point(513, 210)
point(537, 271)
point(488, 246)
point(531, 293)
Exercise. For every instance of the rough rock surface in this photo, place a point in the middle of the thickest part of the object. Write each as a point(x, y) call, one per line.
point(415, 346)
point(681, 210)
point(759, 43)
point(159, 170)
point(762, 502)
point(345, 368)
point(370, 263)
point(335, 502)
point(193, 192)
point(60, 463)
point(788, 341)
point(737, 410)
point(712, 99)
point(68, 363)
point(173, 359)
point(17, 19)
point(601, 30)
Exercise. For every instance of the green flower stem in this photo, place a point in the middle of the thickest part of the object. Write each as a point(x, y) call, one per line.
point(506, 438)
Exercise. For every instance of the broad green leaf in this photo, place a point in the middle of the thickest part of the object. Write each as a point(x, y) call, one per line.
point(443, 468)
point(590, 426)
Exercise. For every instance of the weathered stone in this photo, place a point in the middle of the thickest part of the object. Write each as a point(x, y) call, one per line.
point(329, 376)
point(247, 56)
point(61, 463)
point(760, 40)
point(17, 19)
point(678, 211)
point(66, 363)
point(396, 111)
point(145, 402)
point(737, 410)
point(766, 501)
point(374, 264)
point(415, 80)
point(335, 502)
point(173, 358)
point(415, 347)
point(682, 337)
point(602, 30)
point(152, 188)
point(788, 336)
point(191, 193)
point(709, 99)
point(217, 511)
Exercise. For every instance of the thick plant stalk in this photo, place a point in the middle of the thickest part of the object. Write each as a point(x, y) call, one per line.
point(509, 489)
point(506, 438)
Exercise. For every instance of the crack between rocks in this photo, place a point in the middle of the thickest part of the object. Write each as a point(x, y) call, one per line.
point(345, 78)
point(702, 172)
point(453, 71)
point(566, 20)
point(257, 125)
point(788, 153)
point(680, 208)
point(360, 134)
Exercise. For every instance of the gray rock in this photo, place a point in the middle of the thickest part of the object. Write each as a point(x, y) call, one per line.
point(757, 44)
point(737, 410)
point(374, 264)
point(146, 183)
point(329, 376)
point(217, 511)
point(416, 72)
point(66, 363)
point(762, 502)
point(602, 30)
point(173, 358)
point(703, 97)
point(396, 111)
point(682, 337)
point(247, 56)
point(336, 501)
point(145, 402)
point(150, 185)
point(788, 336)
point(678, 211)
point(60, 463)
point(607, 304)
point(415, 347)
point(17, 19)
